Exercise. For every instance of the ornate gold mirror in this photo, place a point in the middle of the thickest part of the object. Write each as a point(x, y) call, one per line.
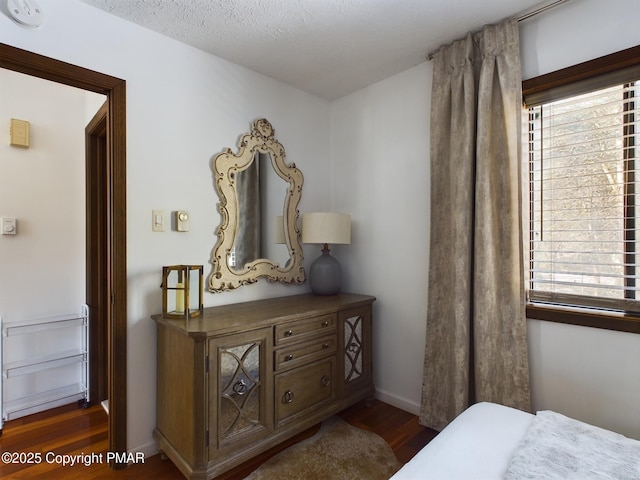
point(259, 194)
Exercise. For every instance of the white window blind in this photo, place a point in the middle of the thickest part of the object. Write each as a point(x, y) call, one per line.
point(584, 199)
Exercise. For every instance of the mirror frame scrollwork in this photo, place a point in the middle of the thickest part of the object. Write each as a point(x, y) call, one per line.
point(226, 165)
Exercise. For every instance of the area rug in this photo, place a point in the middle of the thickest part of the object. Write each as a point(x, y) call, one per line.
point(337, 451)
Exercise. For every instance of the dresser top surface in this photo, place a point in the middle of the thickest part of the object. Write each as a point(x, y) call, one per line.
point(228, 318)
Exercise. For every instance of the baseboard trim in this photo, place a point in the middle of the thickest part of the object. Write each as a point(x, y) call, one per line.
point(149, 449)
point(398, 402)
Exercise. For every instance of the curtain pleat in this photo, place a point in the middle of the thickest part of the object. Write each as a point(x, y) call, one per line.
point(476, 347)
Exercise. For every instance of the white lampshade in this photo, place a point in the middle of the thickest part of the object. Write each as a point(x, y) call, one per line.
point(279, 230)
point(326, 227)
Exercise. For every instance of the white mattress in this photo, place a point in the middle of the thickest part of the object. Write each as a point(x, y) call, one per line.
point(477, 445)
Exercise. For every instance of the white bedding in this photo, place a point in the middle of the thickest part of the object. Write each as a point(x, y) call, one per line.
point(562, 448)
point(477, 445)
point(490, 442)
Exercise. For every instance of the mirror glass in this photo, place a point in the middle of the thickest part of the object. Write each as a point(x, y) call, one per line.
point(259, 194)
point(239, 389)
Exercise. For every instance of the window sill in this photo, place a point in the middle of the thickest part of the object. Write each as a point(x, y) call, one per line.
point(618, 321)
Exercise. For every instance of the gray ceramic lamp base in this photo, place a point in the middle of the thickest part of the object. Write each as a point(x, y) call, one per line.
point(325, 275)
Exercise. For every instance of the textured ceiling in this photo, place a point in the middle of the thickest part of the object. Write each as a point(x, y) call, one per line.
point(326, 47)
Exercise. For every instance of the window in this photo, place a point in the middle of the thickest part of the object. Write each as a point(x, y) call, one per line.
point(582, 157)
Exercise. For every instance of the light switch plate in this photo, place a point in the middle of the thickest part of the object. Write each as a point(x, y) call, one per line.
point(157, 221)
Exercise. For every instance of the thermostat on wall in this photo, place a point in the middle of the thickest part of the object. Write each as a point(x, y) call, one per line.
point(182, 221)
point(26, 12)
point(9, 226)
point(19, 133)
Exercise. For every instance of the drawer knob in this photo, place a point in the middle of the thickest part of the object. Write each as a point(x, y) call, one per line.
point(325, 381)
point(287, 397)
point(325, 324)
point(325, 346)
point(288, 333)
point(288, 358)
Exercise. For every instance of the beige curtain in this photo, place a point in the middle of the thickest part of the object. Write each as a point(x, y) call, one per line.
point(476, 346)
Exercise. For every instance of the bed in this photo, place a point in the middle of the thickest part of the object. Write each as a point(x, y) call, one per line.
point(489, 441)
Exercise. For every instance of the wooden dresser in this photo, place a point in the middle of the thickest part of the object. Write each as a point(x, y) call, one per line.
point(242, 378)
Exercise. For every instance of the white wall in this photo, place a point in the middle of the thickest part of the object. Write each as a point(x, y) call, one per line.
point(43, 187)
point(183, 107)
point(380, 175)
point(380, 144)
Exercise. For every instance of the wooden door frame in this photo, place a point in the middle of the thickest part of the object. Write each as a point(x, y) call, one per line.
point(115, 291)
point(97, 227)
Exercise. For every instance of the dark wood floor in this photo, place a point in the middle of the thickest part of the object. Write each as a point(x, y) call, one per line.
point(72, 430)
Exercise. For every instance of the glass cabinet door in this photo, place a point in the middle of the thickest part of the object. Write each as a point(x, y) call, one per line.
point(240, 384)
point(355, 333)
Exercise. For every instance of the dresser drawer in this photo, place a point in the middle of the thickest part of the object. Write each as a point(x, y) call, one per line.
point(305, 387)
point(295, 355)
point(299, 330)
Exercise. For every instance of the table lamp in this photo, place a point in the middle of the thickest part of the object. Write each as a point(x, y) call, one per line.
point(325, 275)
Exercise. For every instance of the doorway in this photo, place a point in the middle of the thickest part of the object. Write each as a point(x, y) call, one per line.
point(106, 265)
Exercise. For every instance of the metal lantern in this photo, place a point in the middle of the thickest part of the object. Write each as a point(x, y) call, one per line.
point(182, 290)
